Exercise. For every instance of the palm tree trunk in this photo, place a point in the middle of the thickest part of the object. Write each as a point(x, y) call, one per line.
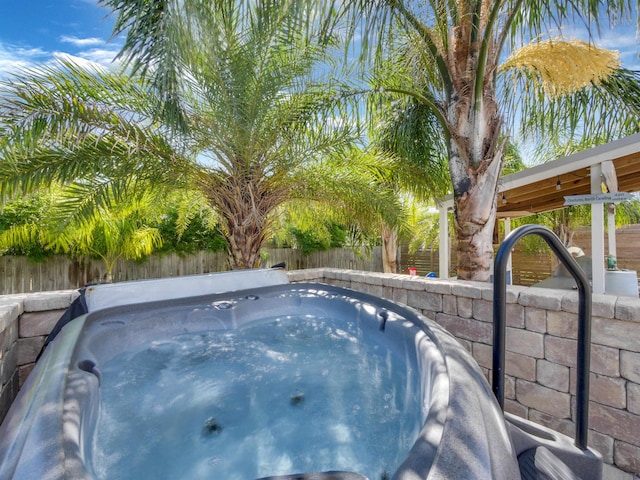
point(475, 161)
point(245, 243)
point(245, 208)
point(389, 249)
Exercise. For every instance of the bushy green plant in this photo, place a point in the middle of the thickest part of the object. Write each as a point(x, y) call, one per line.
point(201, 233)
point(30, 210)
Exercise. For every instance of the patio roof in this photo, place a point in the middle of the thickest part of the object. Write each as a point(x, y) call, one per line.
point(535, 189)
point(542, 188)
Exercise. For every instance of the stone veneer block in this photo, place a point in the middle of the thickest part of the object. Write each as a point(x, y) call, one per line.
point(483, 354)
point(8, 337)
point(628, 308)
point(400, 296)
point(601, 443)
point(8, 314)
point(627, 457)
point(525, 342)
point(7, 393)
point(34, 324)
point(465, 307)
point(543, 399)
point(38, 302)
point(424, 300)
point(482, 310)
point(546, 298)
point(374, 289)
point(28, 349)
point(515, 408)
point(553, 375)
point(465, 328)
point(520, 366)
point(510, 388)
point(630, 366)
point(619, 424)
point(23, 373)
point(616, 333)
point(562, 324)
point(514, 314)
point(560, 350)
point(633, 398)
point(8, 366)
point(605, 360)
point(605, 390)
point(535, 319)
point(449, 305)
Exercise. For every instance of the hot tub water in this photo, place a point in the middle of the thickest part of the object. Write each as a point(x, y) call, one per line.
point(284, 395)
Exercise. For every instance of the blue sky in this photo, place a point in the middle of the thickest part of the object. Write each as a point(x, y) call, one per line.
point(34, 31)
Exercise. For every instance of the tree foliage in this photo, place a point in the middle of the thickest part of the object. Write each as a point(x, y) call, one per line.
point(221, 97)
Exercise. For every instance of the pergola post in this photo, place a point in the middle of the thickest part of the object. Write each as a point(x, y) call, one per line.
point(597, 232)
point(443, 250)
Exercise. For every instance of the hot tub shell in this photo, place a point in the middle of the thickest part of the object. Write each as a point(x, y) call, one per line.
point(47, 432)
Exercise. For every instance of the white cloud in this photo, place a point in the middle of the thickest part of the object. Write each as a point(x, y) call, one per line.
point(81, 42)
point(100, 60)
point(14, 58)
point(103, 56)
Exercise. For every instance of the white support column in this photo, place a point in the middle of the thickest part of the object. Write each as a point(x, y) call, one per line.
point(611, 181)
point(443, 250)
point(597, 232)
point(611, 229)
point(507, 231)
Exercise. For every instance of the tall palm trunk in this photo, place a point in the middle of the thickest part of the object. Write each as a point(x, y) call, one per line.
point(389, 249)
point(475, 161)
point(246, 238)
point(244, 203)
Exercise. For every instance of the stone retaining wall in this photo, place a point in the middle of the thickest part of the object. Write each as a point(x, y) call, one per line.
point(541, 349)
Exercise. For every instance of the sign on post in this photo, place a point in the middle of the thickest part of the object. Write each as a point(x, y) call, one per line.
point(613, 197)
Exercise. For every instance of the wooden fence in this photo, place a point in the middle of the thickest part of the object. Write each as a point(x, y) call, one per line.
point(19, 275)
point(527, 269)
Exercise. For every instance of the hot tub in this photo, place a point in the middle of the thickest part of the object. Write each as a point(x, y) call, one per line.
point(152, 383)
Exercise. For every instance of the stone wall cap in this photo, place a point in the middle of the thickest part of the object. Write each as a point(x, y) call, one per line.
point(627, 308)
point(548, 298)
point(601, 305)
point(9, 313)
point(56, 300)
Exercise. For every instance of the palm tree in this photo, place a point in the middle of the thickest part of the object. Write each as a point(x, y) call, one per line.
point(453, 51)
point(119, 230)
point(222, 97)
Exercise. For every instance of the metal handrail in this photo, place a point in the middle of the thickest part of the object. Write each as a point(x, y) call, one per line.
point(584, 321)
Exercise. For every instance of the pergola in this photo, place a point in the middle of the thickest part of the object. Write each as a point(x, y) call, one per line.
point(542, 188)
